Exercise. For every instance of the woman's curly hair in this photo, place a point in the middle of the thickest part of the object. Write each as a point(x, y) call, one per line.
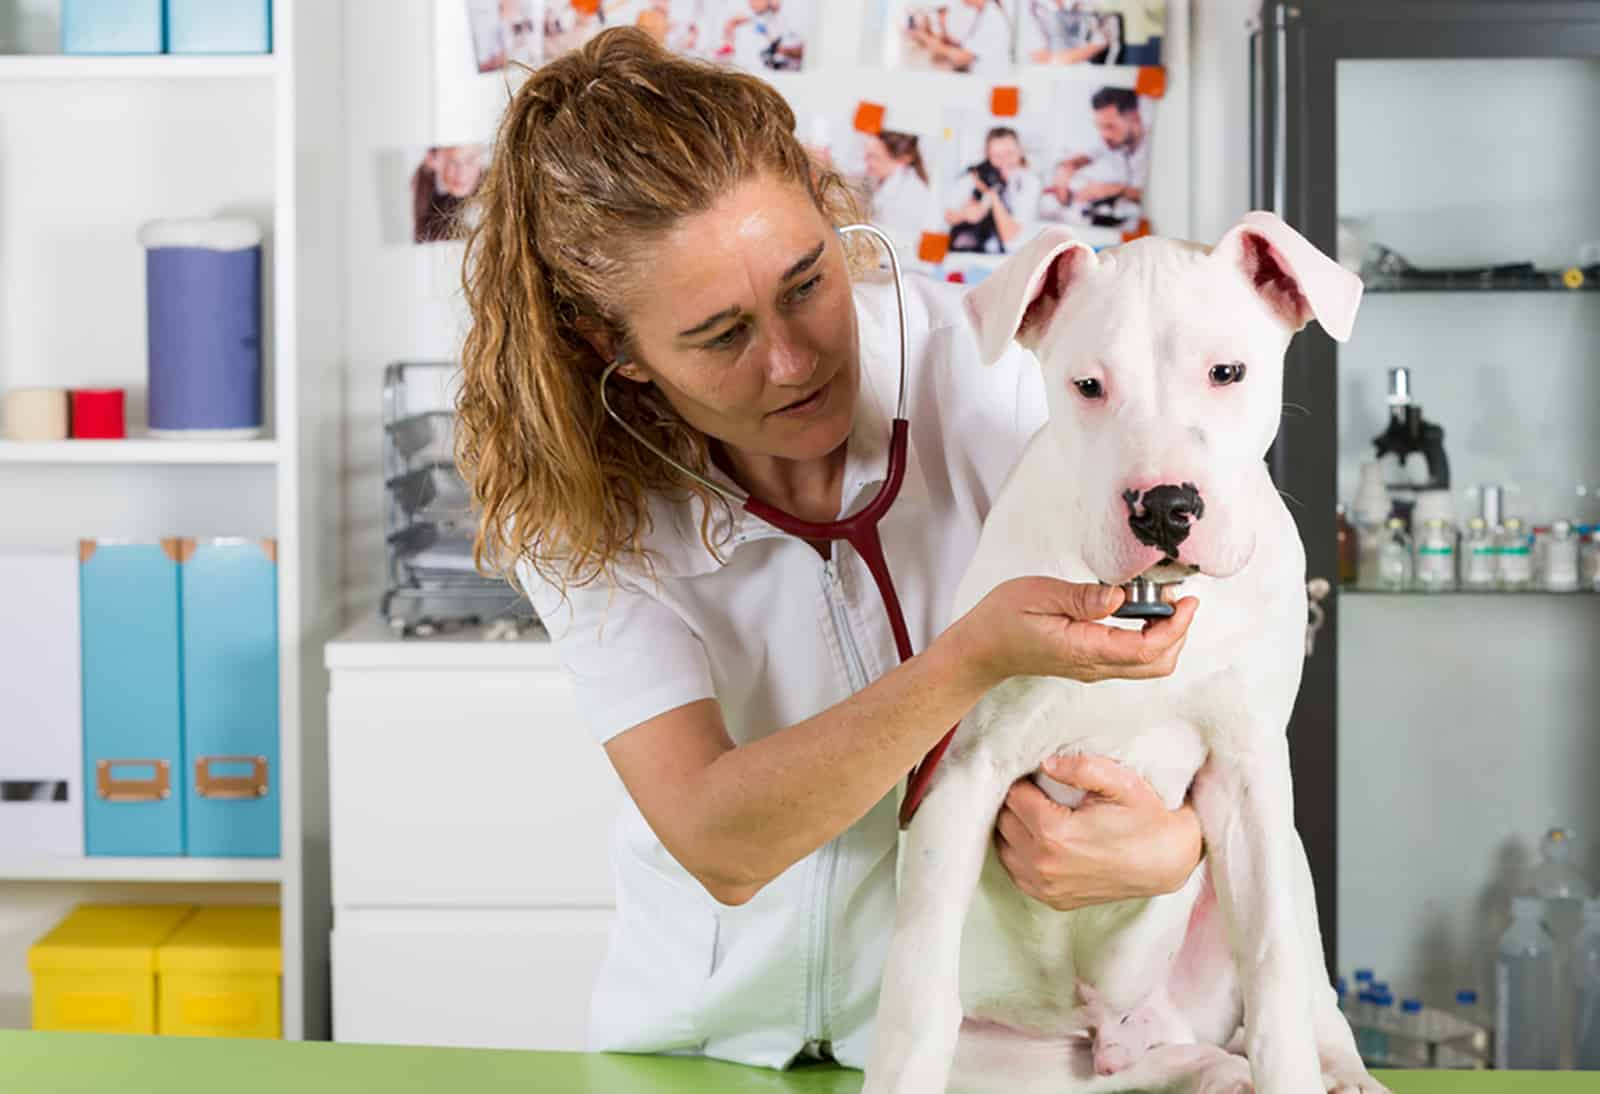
point(600, 151)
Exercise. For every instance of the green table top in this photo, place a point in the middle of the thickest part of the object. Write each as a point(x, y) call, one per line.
point(69, 1062)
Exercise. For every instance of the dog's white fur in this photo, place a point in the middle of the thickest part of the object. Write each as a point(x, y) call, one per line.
point(1239, 943)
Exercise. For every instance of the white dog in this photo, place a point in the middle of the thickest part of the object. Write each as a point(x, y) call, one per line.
point(1164, 369)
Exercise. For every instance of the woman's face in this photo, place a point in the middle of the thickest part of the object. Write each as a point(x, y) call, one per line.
point(743, 317)
point(1006, 154)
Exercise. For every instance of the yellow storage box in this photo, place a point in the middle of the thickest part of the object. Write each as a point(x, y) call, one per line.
point(219, 975)
point(95, 972)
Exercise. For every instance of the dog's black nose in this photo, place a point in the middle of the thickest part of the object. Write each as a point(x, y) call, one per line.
point(1161, 516)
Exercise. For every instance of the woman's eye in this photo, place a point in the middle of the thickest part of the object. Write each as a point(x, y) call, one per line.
point(1089, 388)
point(805, 290)
point(1223, 375)
point(724, 340)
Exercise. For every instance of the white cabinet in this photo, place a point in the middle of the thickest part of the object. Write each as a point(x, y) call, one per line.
point(471, 820)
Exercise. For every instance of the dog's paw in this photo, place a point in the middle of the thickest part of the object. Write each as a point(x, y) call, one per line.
point(1352, 1082)
point(1227, 1074)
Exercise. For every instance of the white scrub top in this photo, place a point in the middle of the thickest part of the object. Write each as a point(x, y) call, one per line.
point(776, 634)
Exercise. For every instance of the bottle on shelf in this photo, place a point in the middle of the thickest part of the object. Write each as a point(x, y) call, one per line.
point(1560, 887)
point(1589, 561)
point(1394, 557)
point(1410, 1045)
point(1586, 997)
point(1558, 568)
point(1513, 555)
point(1475, 1012)
point(1478, 559)
point(1348, 547)
point(1383, 1022)
point(1436, 556)
point(1370, 510)
point(1525, 994)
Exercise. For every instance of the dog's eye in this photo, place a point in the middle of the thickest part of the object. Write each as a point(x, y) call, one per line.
point(1089, 388)
point(1223, 375)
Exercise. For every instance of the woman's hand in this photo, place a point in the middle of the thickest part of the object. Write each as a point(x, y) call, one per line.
point(1041, 626)
point(1121, 843)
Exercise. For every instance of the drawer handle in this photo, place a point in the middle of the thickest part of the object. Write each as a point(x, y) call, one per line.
point(112, 789)
point(212, 785)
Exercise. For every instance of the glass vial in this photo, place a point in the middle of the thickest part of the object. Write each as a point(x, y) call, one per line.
point(1436, 556)
point(1478, 558)
point(1394, 557)
point(1513, 553)
point(1559, 568)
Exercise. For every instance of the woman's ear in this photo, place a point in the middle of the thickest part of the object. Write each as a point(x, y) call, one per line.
point(611, 351)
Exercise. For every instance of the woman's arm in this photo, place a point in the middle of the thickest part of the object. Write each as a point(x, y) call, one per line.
point(737, 817)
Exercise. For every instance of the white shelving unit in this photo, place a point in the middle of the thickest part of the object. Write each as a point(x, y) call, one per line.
point(90, 148)
point(138, 450)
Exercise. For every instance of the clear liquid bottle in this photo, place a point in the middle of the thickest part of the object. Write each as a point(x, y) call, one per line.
point(1383, 1021)
point(1409, 1047)
point(1369, 510)
point(1525, 994)
point(1436, 556)
point(1561, 888)
point(1470, 1009)
point(1478, 559)
point(1559, 564)
point(1514, 555)
point(1394, 557)
point(1586, 975)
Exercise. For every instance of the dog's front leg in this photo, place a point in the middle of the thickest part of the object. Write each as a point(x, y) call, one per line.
point(1243, 800)
point(919, 1004)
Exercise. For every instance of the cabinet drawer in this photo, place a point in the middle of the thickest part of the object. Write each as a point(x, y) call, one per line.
point(466, 788)
point(469, 979)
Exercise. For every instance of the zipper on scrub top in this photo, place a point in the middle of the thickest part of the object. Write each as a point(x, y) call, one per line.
point(817, 990)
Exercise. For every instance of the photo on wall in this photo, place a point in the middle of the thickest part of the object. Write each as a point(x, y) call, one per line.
point(443, 179)
point(1094, 32)
point(991, 180)
point(1098, 176)
point(891, 173)
point(570, 24)
point(758, 35)
point(505, 32)
point(969, 36)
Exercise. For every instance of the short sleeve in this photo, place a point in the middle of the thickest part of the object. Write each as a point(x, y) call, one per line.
point(630, 657)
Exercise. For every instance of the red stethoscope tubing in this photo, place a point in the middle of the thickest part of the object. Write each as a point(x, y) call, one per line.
point(860, 530)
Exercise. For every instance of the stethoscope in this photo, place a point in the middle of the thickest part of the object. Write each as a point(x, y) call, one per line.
point(861, 529)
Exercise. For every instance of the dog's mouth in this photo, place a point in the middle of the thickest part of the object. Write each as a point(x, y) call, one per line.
point(1168, 572)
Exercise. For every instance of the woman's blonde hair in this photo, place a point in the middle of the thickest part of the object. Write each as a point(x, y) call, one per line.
point(601, 150)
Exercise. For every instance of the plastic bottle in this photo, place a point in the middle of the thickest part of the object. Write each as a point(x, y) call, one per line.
point(1469, 1009)
point(1525, 997)
point(1341, 988)
point(1586, 977)
point(1562, 889)
point(1369, 510)
point(1413, 1031)
point(1383, 1020)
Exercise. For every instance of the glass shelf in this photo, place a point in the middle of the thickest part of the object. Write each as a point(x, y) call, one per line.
point(1504, 594)
point(1550, 281)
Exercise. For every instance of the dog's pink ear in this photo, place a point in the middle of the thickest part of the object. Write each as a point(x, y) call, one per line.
point(1018, 299)
point(1297, 281)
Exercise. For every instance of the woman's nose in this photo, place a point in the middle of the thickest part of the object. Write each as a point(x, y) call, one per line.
point(790, 361)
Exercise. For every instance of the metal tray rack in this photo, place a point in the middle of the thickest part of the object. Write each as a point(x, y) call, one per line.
point(430, 581)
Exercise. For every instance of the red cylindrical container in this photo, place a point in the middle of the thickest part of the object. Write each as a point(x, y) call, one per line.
point(97, 414)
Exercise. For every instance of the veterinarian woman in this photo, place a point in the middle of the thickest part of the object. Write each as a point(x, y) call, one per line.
point(649, 209)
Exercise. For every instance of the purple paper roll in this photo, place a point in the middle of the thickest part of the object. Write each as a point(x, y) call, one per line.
point(203, 281)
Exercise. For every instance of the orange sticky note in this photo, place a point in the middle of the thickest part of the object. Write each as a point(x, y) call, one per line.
point(933, 246)
point(1004, 102)
point(1151, 81)
point(869, 117)
point(1142, 230)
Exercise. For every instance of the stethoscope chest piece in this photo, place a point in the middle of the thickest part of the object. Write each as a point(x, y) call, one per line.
point(1142, 601)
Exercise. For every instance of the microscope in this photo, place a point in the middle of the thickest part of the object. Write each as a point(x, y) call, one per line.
point(1409, 432)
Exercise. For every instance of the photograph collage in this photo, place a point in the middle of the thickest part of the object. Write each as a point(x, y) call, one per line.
point(957, 183)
